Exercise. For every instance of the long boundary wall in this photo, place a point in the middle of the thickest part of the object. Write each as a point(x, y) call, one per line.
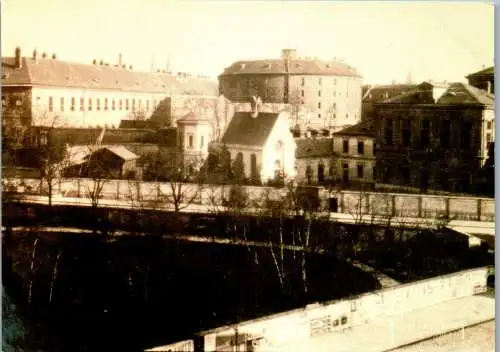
point(347, 202)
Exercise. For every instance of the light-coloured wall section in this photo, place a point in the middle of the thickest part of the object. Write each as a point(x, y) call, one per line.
point(92, 111)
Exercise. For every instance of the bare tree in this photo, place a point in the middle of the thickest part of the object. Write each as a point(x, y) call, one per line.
point(138, 114)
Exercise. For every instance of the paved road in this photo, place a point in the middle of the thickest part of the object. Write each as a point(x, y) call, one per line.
point(479, 338)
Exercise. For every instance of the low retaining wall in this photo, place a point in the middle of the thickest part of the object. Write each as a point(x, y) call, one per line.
point(318, 319)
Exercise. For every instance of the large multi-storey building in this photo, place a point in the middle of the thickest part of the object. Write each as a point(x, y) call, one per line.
point(434, 137)
point(46, 91)
point(331, 88)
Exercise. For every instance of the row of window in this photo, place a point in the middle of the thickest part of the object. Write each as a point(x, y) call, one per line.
point(303, 93)
point(108, 104)
point(345, 147)
point(320, 81)
point(191, 142)
point(425, 133)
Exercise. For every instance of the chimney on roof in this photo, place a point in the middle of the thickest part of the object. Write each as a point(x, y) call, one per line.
point(256, 105)
point(18, 60)
point(54, 56)
point(288, 54)
point(101, 63)
point(35, 54)
point(120, 59)
point(94, 62)
point(44, 55)
point(130, 67)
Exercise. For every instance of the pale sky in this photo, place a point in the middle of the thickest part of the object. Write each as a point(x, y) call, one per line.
point(383, 40)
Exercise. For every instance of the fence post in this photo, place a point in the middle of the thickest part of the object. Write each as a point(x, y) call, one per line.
point(118, 190)
point(447, 207)
point(479, 208)
point(78, 184)
point(420, 206)
point(393, 211)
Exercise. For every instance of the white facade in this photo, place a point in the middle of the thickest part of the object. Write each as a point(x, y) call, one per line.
point(78, 107)
point(276, 155)
point(194, 137)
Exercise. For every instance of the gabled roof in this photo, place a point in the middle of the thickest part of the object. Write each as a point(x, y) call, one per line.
point(360, 129)
point(419, 94)
point(58, 73)
point(314, 148)
point(191, 117)
point(490, 71)
point(246, 130)
point(461, 93)
point(122, 152)
point(295, 67)
point(382, 92)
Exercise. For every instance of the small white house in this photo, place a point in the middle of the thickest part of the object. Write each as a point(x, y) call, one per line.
point(263, 141)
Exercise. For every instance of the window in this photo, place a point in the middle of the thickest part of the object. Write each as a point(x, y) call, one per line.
point(82, 104)
point(139, 103)
point(51, 104)
point(488, 125)
point(445, 133)
point(147, 105)
point(90, 104)
point(98, 104)
point(105, 103)
point(302, 93)
point(405, 174)
point(126, 104)
point(303, 82)
point(343, 320)
point(113, 104)
point(334, 106)
point(360, 171)
point(425, 135)
point(334, 94)
point(319, 105)
point(154, 104)
point(388, 131)
point(321, 172)
point(345, 146)
point(335, 323)
point(488, 139)
point(346, 116)
point(319, 115)
point(309, 174)
point(190, 145)
point(19, 101)
point(406, 133)
point(319, 93)
point(202, 142)
point(133, 104)
point(320, 81)
point(73, 103)
point(62, 104)
point(334, 81)
point(466, 135)
point(253, 166)
point(361, 148)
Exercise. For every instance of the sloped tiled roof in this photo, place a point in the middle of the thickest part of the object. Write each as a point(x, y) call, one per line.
point(122, 152)
point(360, 129)
point(192, 117)
point(296, 67)
point(461, 93)
point(314, 148)
point(382, 92)
point(420, 94)
point(486, 72)
point(246, 130)
point(58, 73)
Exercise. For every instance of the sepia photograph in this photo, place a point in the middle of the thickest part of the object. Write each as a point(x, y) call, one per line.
point(248, 176)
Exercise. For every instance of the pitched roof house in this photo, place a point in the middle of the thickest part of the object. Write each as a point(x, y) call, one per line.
point(264, 143)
